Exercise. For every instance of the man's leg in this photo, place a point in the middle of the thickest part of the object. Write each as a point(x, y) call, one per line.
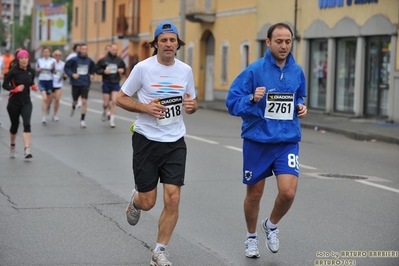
point(106, 99)
point(114, 94)
point(287, 185)
point(252, 204)
point(170, 213)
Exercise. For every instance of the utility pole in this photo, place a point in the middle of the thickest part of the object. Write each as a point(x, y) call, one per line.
point(182, 26)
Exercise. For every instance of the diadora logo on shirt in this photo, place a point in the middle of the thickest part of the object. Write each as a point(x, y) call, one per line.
point(280, 97)
point(167, 89)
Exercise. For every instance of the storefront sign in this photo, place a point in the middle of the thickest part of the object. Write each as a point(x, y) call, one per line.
point(360, 2)
point(339, 3)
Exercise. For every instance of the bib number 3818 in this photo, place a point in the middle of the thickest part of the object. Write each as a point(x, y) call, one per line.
point(173, 112)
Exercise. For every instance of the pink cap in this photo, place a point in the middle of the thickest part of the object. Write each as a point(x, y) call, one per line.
point(22, 53)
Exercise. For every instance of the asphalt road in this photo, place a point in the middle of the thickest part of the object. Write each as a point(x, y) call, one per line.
point(66, 206)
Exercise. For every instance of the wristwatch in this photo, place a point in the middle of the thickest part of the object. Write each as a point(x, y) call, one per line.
point(251, 98)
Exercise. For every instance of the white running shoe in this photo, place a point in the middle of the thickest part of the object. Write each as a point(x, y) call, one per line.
point(27, 153)
point(13, 154)
point(159, 258)
point(111, 123)
point(251, 248)
point(272, 242)
point(56, 119)
point(82, 124)
point(132, 214)
point(43, 120)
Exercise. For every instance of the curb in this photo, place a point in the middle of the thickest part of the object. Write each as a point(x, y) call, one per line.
point(356, 135)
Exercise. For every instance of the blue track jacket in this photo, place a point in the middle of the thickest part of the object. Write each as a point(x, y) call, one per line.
point(266, 73)
point(71, 67)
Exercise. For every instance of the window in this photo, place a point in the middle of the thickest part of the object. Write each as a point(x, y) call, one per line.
point(262, 48)
point(76, 16)
point(318, 74)
point(103, 6)
point(244, 55)
point(346, 63)
point(190, 56)
point(225, 54)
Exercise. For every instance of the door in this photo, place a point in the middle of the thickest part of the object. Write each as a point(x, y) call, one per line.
point(209, 67)
point(377, 76)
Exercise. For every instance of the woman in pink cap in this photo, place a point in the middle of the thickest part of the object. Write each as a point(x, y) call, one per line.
point(19, 81)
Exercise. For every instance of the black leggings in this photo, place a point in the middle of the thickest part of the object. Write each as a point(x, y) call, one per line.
point(14, 111)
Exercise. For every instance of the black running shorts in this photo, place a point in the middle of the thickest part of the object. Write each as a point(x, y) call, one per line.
point(82, 91)
point(153, 161)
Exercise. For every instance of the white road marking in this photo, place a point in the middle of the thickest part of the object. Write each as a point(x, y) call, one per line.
point(378, 186)
point(201, 139)
point(233, 148)
point(300, 165)
point(90, 109)
point(214, 142)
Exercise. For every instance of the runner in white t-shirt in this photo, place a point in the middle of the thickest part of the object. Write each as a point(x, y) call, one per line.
point(58, 82)
point(165, 87)
point(45, 66)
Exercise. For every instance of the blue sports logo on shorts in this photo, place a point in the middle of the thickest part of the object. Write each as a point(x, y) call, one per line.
point(248, 175)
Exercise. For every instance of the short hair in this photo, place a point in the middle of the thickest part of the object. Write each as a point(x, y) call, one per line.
point(278, 25)
point(75, 46)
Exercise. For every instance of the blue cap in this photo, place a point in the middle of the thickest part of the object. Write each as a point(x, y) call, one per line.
point(165, 27)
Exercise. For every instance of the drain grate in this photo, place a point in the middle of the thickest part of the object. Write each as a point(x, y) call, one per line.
point(352, 177)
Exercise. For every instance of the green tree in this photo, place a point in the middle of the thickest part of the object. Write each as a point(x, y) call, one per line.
point(22, 32)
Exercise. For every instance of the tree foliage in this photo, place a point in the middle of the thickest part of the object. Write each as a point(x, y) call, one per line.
point(22, 32)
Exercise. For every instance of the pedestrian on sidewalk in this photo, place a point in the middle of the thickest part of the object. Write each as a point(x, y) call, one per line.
point(19, 81)
point(111, 67)
point(269, 97)
point(80, 70)
point(164, 86)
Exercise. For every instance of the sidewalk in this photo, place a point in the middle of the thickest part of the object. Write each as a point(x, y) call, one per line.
point(355, 128)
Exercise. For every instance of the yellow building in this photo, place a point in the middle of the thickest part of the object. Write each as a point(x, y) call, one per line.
point(99, 23)
point(348, 48)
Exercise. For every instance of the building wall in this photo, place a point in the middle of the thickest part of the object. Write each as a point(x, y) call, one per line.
point(239, 28)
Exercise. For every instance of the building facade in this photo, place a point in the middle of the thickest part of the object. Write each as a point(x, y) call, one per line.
point(348, 48)
point(99, 23)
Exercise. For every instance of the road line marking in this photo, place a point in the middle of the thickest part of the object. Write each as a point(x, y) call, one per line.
point(378, 186)
point(188, 136)
point(233, 148)
point(201, 139)
point(90, 109)
point(307, 167)
point(300, 165)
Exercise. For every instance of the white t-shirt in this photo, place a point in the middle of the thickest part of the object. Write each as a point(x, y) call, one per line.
point(47, 67)
point(152, 80)
point(58, 80)
point(71, 55)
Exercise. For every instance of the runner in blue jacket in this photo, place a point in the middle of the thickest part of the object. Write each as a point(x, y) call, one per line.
point(269, 97)
point(80, 69)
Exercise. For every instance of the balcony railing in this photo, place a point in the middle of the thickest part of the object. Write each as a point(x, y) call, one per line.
point(201, 10)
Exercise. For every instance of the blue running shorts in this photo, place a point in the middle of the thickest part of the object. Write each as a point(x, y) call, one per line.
point(262, 160)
